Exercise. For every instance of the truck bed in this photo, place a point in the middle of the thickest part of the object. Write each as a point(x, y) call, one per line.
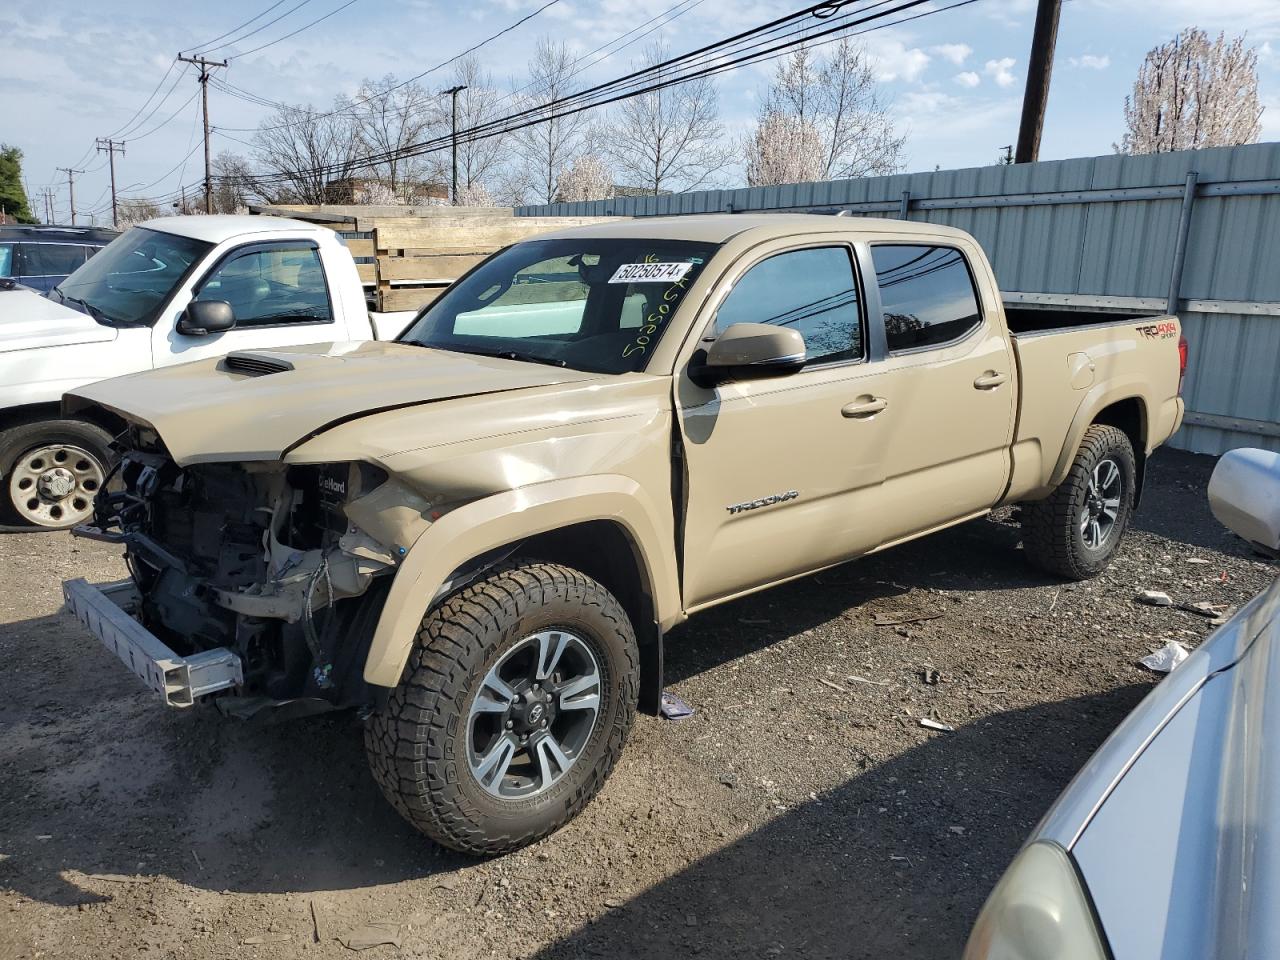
point(1028, 320)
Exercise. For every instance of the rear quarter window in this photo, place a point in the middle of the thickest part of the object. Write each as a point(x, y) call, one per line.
point(927, 294)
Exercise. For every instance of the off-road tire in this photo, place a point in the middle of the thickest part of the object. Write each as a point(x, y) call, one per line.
point(25, 437)
point(1051, 535)
point(417, 743)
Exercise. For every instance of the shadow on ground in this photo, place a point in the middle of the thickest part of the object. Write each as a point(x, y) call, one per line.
point(801, 885)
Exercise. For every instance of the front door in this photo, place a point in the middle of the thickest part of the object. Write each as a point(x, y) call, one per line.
point(783, 473)
point(278, 293)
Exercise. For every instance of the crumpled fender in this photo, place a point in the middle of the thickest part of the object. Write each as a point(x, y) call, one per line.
point(505, 518)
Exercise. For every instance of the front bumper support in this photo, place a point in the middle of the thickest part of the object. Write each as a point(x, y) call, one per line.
point(105, 610)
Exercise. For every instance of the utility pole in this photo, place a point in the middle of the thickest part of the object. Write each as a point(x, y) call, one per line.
point(71, 189)
point(1039, 68)
point(48, 205)
point(111, 147)
point(204, 98)
point(454, 91)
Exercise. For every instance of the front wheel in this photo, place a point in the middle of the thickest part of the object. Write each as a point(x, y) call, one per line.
point(53, 470)
point(513, 709)
point(1076, 531)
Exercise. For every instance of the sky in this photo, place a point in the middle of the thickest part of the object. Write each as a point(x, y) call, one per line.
point(73, 71)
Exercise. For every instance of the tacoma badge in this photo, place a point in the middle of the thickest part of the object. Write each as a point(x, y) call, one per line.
point(763, 502)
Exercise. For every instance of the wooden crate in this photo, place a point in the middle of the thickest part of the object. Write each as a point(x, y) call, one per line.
point(419, 256)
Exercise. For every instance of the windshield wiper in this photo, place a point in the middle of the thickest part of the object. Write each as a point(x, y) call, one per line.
point(90, 309)
point(511, 355)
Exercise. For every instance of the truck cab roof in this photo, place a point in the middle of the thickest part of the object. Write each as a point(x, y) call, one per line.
point(218, 228)
point(721, 227)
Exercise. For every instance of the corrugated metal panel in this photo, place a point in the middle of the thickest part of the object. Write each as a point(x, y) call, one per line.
point(1098, 246)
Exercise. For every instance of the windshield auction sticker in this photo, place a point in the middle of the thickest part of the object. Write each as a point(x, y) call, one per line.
point(650, 272)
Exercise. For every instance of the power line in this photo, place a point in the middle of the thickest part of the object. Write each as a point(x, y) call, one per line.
point(294, 33)
point(204, 47)
point(414, 78)
point(205, 66)
point(119, 130)
point(259, 29)
point(708, 60)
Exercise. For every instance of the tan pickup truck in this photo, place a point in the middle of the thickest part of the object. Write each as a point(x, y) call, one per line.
point(479, 535)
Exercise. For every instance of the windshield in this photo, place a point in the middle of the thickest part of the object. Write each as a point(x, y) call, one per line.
point(594, 304)
point(132, 277)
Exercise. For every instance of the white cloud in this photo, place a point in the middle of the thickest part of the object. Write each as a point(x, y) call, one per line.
point(1090, 62)
point(894, 60)
point(956, 53)
point(967, 79)
point(999, 70)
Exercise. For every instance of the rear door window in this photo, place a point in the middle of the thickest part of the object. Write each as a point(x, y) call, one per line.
point(927, 294)
point(50, 259)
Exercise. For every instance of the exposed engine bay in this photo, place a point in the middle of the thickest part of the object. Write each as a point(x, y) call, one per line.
point(264, 559)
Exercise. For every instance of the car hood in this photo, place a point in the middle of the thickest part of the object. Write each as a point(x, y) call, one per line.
point(28, 321)
point(255, 405)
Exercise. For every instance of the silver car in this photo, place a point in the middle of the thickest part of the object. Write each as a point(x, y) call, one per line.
point(1165, 845)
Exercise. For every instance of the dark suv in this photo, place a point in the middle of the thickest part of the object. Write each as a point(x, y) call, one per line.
point(41, 257)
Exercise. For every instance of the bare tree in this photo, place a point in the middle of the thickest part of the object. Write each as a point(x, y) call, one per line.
point(670, 138)
point(784, 148)
point(1193, 92)
point(544, 150)
point(838, 97)
point(587, 179)
point(391, 116)
point(478, 160)
point(234, 184)
point(138, 210)
point(313, 154)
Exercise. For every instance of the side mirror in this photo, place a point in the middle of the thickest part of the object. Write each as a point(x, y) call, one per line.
point(205, 317)
point(748, 351)
point(1244, 494)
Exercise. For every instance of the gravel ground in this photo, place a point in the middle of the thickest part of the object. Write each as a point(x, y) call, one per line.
point(803, 811)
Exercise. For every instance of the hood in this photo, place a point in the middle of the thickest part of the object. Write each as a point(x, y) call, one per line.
point(255, 405)
point(28, 320)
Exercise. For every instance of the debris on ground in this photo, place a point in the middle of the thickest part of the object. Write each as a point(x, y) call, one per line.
point(936, 725)
point(267, 938)
point(373, 935)
point(673, 708)
point(929, 676)
point(1199, 560)
point(895, 620)
point(1154, 598)
point(833, 686)
point(1214, 611)
point(1166, 658)
point(856, 679)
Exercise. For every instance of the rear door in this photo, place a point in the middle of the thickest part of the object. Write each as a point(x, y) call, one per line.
point(950, 388)
point(783, 474)
point(279, 293)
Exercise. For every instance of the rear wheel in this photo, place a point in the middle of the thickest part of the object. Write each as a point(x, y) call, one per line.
point(53, 470)
point(513, 709)
point(1076, 531)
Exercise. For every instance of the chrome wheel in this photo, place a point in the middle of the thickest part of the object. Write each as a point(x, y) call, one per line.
point(1101, 504)
point(533, 715)
point(54, 485)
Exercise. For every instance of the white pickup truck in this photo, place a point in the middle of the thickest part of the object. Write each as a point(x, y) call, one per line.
point(167, 291)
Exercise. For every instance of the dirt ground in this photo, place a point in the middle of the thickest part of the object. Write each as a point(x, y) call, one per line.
point(803, 811)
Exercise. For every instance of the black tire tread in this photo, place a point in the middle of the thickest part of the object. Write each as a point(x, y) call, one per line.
point(408, 742)
point(1048, 525)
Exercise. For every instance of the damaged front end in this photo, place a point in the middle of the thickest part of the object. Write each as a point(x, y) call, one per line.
point(286, 567)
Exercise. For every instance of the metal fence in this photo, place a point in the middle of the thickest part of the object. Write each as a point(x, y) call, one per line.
point(1196, 233)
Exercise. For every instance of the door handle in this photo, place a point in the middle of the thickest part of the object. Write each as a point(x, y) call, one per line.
point(862, 409)
point(989, 380)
